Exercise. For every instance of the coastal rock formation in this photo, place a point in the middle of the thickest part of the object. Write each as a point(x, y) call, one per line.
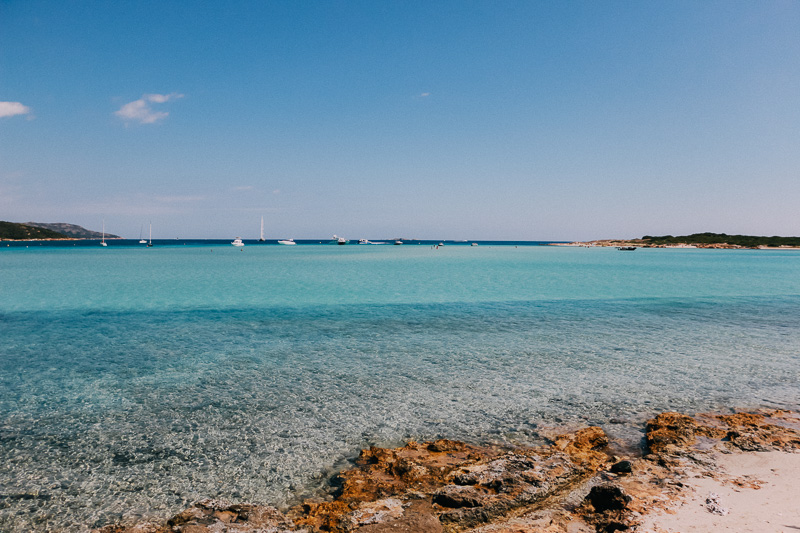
point(571, 485)
point(458, 486)
point(673, 433)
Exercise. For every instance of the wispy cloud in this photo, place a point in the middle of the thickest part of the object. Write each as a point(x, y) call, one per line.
point(424, 95)
point(10, 109)
point(142, 111)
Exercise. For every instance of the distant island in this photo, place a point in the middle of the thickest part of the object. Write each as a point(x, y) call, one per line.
point(29, 231)
point(700, 240)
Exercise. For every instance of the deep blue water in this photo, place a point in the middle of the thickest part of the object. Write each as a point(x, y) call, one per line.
point(135, 380)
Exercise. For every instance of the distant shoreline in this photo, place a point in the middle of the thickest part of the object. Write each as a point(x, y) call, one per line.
point(639, 243)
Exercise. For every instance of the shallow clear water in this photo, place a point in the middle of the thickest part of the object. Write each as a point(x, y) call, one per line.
point(134, 381)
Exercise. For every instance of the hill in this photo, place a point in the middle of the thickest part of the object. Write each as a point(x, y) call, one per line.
point(23, 232)
point(72, 231)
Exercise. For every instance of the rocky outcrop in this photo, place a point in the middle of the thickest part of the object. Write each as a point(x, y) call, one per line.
point(460, 486)
point(674, 433)
point(447, 486)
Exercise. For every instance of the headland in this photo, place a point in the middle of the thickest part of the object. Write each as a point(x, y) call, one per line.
point(698, 240)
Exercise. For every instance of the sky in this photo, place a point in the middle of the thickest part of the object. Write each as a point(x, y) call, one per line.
point(451, 119)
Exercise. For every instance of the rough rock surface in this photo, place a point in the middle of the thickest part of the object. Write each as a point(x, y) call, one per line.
point(570, 486)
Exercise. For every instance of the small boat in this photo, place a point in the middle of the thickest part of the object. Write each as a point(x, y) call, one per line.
point(474, 244)
point(340, 240)
point(142, 240)
point(237, 242)
point(626, 248)
point(103, 241)
point(398, 242)
point(288, 242)
point(364, 241)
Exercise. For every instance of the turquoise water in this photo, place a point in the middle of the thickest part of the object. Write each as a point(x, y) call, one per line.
point(134, 381)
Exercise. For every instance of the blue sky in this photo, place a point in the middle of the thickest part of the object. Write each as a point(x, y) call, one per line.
point(379, 119)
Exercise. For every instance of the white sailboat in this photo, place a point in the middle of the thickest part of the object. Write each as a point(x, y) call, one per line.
point(103, 241)
point(141, 239)
point(150, 243)
point(261, 239)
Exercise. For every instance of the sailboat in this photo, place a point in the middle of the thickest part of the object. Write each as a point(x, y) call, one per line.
point(262, 230)
point(103, 242)
point(150, 244)
point(141, 240)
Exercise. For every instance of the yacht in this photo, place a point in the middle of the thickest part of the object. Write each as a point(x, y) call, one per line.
point(237, 242)
point(103, 242)
point(340, 240)
point(287, 242)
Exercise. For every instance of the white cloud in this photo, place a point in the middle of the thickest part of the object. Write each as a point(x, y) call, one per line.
point(141, 110)
point(10, 109)
point(424, 95)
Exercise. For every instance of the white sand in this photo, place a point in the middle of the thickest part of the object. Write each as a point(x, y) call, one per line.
point(774, 507)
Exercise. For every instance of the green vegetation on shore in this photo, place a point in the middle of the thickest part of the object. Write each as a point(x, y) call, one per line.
point(23, 232)
point(747, 241)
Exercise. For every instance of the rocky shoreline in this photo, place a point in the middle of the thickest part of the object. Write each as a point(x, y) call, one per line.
point(573, 484)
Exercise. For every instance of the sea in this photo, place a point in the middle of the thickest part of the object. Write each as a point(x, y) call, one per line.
point(135, 380)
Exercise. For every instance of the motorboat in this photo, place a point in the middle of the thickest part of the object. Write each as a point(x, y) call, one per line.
point(364, 241)
point(288, 242)
point(474, 244)
point(237, 242)
point(340, 240)
point(626, 248)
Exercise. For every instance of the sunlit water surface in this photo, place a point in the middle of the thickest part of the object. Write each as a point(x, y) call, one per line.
point(136, 380)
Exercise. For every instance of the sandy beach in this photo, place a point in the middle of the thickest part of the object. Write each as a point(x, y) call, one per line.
point(753, 492)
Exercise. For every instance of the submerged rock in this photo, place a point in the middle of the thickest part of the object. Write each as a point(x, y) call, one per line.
point(216, 516)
